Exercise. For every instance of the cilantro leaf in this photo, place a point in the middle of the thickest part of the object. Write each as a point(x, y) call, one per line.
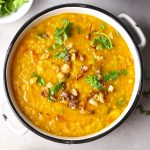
point(113, 75)
point(62, 54)
point(102, 26)
point(56, 88)
point(40, 80)
point(9, 6)
point(94, 82)
point(62, 34)
point(103, 41)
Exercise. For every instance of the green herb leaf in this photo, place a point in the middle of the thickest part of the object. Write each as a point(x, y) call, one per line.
point(40, 80)
point(142, 111)
point(94, 82)
point(9, 6)
point(102, 26)
point(79, 30)
point(56, 88)
point(62, 54)
point(113, 75)
point(62, 34)
point(103, 41)
point(50, 98)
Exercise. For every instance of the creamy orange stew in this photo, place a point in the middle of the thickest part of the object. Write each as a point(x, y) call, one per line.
point(72, 75)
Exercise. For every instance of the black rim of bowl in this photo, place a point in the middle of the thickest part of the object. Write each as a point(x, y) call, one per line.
point(72, 141)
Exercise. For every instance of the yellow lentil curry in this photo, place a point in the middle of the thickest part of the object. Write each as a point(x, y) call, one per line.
point(72, 75)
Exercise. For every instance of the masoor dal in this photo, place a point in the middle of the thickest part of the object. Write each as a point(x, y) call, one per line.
point(72, 75)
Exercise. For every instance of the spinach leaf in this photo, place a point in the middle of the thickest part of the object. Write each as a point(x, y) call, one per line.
point(40, 80)
point(94, 82)
point(113, 75)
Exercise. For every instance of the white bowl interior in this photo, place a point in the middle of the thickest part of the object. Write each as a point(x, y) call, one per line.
point(108, 20)
point(18, 14)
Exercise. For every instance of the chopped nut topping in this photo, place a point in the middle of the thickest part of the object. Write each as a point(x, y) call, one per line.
point(69, 46)
point(61, 77)
point(44, 92)
point(82, 111)
point(74, 92)
point(73, 104)
point(73, 51)
point(73, 57)
point(65, 68)
point(64, 96)
point(93, 102)
point(44, 56)
point(81, 57)
point(99, 76)
point(84, 68)
point(99, 97)
point(98, 58)
point(49, 85)
point(110, 88)
point(33, 80)
point(79, 76)
point(88, 36)
point(56, 68)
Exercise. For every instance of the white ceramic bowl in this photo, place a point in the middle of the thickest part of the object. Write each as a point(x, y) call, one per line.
point(108, 18)
point(18, 14)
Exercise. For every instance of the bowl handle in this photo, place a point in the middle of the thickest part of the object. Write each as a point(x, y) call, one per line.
point(136, 28)
point(20, 131)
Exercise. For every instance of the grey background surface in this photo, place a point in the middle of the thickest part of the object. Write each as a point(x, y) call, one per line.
point(134, 133)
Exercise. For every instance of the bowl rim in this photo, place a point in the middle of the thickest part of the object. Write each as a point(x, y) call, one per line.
point(70, 141)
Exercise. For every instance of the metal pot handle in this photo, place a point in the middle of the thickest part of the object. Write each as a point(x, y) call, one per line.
point(136, 28)
point(21, 131)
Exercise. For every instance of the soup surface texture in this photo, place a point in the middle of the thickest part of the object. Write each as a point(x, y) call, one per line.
point(72, 75)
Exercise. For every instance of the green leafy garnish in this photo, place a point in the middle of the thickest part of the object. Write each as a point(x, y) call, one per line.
point(62, 54)
point(102, 26)
point(142, 111)
point(9, 6)
point(94, 82)
point(113, 75)
point(79, 30)
point(40, 80)
point(62, 34)
point(56, 88)
point(52, 91)
point(102, 42)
